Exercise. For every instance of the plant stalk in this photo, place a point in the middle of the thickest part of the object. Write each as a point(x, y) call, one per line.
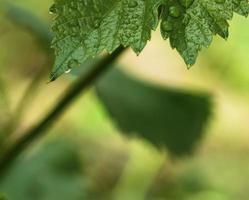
point(80, 85)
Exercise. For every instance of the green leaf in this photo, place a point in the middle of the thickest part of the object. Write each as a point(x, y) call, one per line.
point(163, 116)
point(191, 24)
point(83, 29)
point(2, 197)
point(52, 172)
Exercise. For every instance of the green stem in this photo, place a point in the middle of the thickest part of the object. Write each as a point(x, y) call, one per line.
point(84, 81)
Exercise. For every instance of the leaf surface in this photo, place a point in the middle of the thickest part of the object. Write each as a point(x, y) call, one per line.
point(191, 24)
point(164, 116)
point(85, 28)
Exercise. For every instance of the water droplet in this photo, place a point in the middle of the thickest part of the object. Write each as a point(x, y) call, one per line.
point(96, 23)
point(52, 9)
point(133, 4)
point(167, 26)
point(68, 71)
point(174, 11)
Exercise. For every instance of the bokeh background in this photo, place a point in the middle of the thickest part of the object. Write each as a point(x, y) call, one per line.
point(85, 156)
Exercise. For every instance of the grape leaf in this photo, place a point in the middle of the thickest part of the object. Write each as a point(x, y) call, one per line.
point(191, 24)
point(84, 28)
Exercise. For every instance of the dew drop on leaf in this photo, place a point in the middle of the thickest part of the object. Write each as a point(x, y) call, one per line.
point(96, 23)
point(167, 26)
point(68, 71)
point(52, 9)
point(79, 35)
point(133, 4)
point(174, 11)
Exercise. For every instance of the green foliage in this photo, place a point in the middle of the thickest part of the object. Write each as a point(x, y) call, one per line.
point(84, 28)
point(54, 172)
point(163, 116)
point(2, 197)
point(191, 24)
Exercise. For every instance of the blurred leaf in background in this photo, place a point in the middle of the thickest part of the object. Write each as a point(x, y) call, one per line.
point(2, 197)
point(25, 56)
point(29, 22)
point(164, 116)
point(52, 172)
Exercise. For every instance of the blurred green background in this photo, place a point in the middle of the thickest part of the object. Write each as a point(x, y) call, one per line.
point(85, 156)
